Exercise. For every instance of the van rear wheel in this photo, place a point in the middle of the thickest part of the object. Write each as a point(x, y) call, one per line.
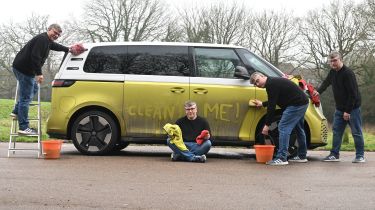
point(94, 133)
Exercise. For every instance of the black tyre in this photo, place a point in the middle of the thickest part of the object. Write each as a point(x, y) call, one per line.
point(94, 133)
point(274, 133)
point(120, 145)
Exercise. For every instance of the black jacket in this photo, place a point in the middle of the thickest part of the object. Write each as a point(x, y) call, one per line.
point(192, 128)
point(30, 59)
point(344, 87)
point(284, 93)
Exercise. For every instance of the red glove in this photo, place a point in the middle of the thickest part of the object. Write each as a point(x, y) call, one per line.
point(77, 49)
point(314, 98)
point(200, 139)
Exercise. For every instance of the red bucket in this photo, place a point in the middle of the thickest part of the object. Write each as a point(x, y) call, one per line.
point(264, 153)
point(51, 149)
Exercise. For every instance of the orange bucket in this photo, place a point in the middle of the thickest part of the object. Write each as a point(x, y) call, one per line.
point(264, 153)
point(51, 149)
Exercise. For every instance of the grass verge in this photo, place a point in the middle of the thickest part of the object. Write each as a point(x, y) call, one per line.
point(349, 146)
point(6, 106)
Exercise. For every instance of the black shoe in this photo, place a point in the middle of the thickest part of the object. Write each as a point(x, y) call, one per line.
point(277, 162)
point(332, 158)
point(28, 131)
point(359, 160)
point(175, 157)
point(199, 159)
point(297, 159)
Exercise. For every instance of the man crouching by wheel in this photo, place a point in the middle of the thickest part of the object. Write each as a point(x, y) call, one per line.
point(294, 102)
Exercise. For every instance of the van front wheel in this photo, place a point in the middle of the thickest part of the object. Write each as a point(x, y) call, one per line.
point(94, 133)
point(274, 133)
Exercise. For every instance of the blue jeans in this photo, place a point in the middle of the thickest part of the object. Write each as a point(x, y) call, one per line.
point(27, 88)
point(193, 149)
point(339, 125)
point(292, 118)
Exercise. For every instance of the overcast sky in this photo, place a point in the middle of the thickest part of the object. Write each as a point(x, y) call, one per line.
point(61, 10)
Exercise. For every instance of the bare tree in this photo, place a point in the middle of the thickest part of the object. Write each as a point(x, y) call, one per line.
point(195, 25)
point(272, 35)
point(144, 20)
point(6, 58)
point(103, 20)
point(338, 27)
point(364, 53)
point(226, 23)
point(125, 20)
point(73, 32)
point(174, 32)
point(369, 11)
point(12, 38)
point(219, 23)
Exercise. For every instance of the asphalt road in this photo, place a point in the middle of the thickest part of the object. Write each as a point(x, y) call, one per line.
point(143, 177)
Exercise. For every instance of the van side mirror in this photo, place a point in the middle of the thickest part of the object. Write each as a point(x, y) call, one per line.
point(241, 72)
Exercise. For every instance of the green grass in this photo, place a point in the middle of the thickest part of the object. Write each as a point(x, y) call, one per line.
point(369, 143)
point(6, 107)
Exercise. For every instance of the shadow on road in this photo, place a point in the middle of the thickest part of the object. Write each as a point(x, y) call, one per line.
point(159, 151)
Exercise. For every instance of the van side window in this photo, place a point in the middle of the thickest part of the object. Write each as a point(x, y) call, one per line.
point(215, 62)
point(259, 64)
point(158, 60)
point(106, 59)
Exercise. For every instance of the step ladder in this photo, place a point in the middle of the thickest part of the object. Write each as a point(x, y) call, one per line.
point(14, 127)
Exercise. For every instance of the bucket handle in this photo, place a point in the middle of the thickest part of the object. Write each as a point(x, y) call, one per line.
point(268, 140)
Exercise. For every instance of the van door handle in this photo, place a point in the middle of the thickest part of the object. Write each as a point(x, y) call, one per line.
point(200, 91)
point(177, 90)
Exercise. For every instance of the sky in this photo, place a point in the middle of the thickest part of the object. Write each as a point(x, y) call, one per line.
point(61, 10)
point(58, 11)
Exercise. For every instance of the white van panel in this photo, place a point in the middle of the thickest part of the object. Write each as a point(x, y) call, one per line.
point(220, 81)
point(91, 76)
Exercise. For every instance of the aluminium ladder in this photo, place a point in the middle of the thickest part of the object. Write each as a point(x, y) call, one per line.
point(14, 127)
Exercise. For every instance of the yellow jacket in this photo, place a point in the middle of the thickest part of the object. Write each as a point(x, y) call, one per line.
point(175, 135)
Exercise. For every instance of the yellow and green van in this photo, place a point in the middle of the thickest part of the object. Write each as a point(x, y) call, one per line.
point(118, 93)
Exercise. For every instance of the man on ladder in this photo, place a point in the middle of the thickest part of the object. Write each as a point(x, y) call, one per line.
point(27, 67)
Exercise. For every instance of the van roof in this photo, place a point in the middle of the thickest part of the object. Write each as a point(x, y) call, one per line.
point(90, 45)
